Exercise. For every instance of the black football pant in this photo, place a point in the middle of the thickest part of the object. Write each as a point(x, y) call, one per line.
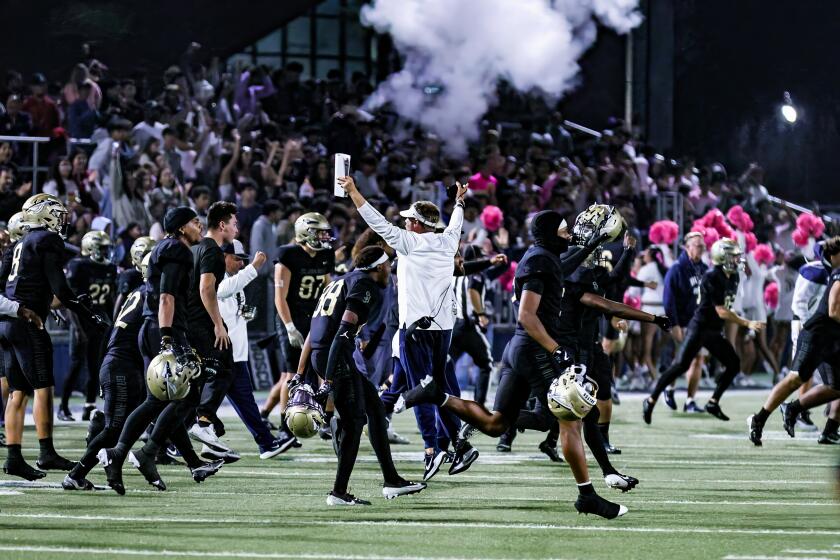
point(152, 407)
point(91, 350)
point(468, 339)
point(357, 402)
point(717, 345)
point(123, 390)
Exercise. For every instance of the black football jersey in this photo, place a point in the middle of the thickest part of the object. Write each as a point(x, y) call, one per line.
point(208, 258)
point(123, 344)
point(716, 289)
point(129, 280)
point(820, 322)
point(308, 274)
point(98, 280)
point(595, 280)
point(174, 255)
point(539, 271)
point(355, 290)
point(6, 265)
point(27, 282)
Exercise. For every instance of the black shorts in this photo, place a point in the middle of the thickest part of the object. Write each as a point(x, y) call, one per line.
point(123, 388)
point(291, 355)
point(28, 357)
point(526, 369)
point(215, 362)
point(812, 350)
point(599, 370)
point(317, 365)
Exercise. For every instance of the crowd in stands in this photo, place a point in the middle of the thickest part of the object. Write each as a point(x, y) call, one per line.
point(263, 138)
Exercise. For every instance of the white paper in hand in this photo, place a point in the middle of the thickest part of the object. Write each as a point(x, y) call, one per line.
point(342, 169)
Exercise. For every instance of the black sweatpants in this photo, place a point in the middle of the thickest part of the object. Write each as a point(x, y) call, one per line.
point(357, 401)
point(467, 338)
point(717, 345)
point(88, 349)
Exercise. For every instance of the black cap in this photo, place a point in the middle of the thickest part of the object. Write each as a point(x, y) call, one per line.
point(231, 249)
point(38, 79)
point(176, 218)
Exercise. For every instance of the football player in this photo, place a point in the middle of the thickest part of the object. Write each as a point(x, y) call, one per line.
point(717, 294)
point(130, 279)
point(341, 310)
point(35, 277)
point(818, 342)
point(122, 381)
point(536, 356)
point(94, 274)
point(165, 324)
point(301, 271)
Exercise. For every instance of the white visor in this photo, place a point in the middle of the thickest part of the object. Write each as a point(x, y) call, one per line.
point(414, 214)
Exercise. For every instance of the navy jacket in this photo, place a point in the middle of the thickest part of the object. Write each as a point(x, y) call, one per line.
point(682, 289)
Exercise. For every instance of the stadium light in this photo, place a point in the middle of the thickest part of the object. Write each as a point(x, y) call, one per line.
point(788, 110)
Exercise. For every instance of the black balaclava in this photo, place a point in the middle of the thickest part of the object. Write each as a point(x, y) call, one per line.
point(544, 226)
point(473, 252)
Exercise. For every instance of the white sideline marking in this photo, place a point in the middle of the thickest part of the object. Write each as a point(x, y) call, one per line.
point(10, 493)
point(738, 557)
point(216, 553)
point(809, 437)
point(796, 551)
point(440, 525)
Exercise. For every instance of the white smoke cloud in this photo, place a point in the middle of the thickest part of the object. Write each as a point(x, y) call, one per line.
point(466, 46)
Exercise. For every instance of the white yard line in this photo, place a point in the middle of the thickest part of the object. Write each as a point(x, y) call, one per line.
point(759, 557)
point(215, 553)
point(439, 525)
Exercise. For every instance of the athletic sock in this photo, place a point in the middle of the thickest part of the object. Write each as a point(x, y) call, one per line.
point(605, 431)
point(46, 445)
point(762, 415)
point(831, 426)
point(203, 422)
point(586, 488)
point(795, 407)
point(14, 453)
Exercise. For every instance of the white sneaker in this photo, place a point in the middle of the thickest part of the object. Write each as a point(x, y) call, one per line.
point(404, 488)
point(395, 438)
point(207, 436)
point(399, 406)
point(345, 500)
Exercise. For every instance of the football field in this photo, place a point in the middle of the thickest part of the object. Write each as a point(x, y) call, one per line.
point(705, 492)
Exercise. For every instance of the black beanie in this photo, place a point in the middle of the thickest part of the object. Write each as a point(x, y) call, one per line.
point(544, 226)
point(175, 218)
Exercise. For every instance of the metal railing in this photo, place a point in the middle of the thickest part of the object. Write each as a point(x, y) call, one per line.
point(35, 141)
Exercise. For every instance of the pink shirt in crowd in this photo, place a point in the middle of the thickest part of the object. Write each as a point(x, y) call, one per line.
point(479, 182)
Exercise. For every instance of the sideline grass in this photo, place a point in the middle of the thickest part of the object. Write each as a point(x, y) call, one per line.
point(705, 492)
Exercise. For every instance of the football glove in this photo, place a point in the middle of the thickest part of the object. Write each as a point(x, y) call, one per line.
point(296, 339)
point(663, 322)
point(294, 383)
point(322, 394)
point(562, 357)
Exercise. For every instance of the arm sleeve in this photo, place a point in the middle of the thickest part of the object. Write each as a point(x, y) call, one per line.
point(401, 240)
point(231, 285)
point(622, 267)
point(58, 285)
point(476, 266)
point(341, 349)
point(573, 258)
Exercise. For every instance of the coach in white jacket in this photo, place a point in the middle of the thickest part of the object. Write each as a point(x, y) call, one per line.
point(425, 267)
point(236, 315)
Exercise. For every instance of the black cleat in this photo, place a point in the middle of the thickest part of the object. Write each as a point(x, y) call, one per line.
point(23, 470)
point(755, 429)
point(325, 432)
point(550, 451)
point(70, 483)
point(829, 439)
point(112, 462)
point(433, 461)
point(54, 462)
point(503, 447)
point(202, 472)
point(96, 425)
point(88, 412)
point(64, 415)
point(595, 504)
point(611, 449)
point(146, 465)
point(426, 392)
point(788, 419)
point(647, 411)
point(621, 482)
point(669, 399)
point(713, 408)
point(465, 456)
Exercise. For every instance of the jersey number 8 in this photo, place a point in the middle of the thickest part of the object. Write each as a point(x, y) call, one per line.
point(326, 305)
point(15, 261)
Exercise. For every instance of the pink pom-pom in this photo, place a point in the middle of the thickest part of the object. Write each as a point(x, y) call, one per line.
point(656, 233)
point(750, 241)
point(771, 295)
point(812, 225)
point(710, 235)
point(763, 254)
point(492, 217)
point(735, 215)
point(673, 229)
point(632, 301)
point(724, 230)
point(800, 237)
point(506, 278)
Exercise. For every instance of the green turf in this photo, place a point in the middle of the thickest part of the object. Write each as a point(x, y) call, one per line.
point(702, 495)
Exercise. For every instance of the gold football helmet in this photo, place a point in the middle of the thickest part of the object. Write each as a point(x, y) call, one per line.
point(314, 230)
point(141, 247)
point(47, 211)
point(572, 395)
point(595, 221)
point(18, 226)
point(727, 253)
point(97, 246)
